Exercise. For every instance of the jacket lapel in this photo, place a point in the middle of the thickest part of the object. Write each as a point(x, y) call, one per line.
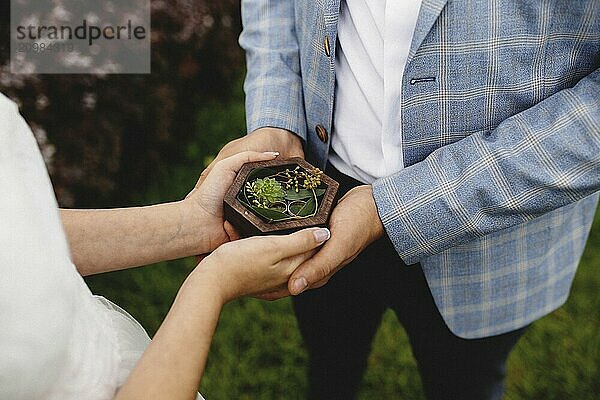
point(429, 13)
point(331, 11)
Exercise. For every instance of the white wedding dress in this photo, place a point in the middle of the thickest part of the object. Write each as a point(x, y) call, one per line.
point(57, 340)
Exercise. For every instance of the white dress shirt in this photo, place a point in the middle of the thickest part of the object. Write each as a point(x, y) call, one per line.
point(374, 38)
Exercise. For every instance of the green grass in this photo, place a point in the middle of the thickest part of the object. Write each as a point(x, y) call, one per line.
point(257, 351)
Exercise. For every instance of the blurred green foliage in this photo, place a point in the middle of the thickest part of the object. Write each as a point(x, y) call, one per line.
point(257, 352)
point(106, 137)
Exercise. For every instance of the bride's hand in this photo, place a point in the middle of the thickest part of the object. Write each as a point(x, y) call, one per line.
point(207, 197)
point(258, 264)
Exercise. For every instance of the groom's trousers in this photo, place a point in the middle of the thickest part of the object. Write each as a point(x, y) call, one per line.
point(338, 323)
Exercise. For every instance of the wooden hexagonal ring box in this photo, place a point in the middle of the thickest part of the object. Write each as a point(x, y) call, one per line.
point(279, 197)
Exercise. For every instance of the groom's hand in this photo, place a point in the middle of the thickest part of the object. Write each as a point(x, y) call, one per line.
point(354, 224)
point(263, 139)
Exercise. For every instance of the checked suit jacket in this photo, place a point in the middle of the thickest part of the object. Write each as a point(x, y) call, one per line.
point(500, 120)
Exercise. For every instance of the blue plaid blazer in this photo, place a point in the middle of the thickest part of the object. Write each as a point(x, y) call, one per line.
point(501, 135)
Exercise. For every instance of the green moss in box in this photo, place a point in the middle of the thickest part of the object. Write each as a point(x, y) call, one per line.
point(285, 195)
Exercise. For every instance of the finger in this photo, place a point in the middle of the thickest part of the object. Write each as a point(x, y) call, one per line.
point(267, 291)
point(200, 257)
point(297, 152)
point(321, 283)
point(300, 242)
point(204, 174)
point(235, 162)
point(231, 232)
point(207, 170)
point(228, 149)
point(274, 294)
point(227, 168)
point(297, 260)
point(316, 269)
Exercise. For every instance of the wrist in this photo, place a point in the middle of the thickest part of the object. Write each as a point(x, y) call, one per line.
point(377, 229)
point(279, 139)
point(197, 226)
point(270, 130)
point(206, 279)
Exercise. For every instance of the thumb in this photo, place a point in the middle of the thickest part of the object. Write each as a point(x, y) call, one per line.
point(314, 270)
point(204, 174)
point(235, 162)
point(300, 242)
point(225, 170)
point(231, 231)
point(297, 152)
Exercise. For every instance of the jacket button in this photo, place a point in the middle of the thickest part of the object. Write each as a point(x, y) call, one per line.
point(322, 133)
point(327, 46)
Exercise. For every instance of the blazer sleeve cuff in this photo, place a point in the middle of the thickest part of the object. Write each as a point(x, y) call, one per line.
point(277, 106)
point(418, 225)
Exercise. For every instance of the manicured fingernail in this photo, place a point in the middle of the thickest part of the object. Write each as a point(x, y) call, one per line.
point(272, 153)
point(322, 235)
point(299, 285)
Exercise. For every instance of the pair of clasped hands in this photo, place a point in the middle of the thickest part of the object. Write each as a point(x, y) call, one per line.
point(280, 265)
point(269, 267)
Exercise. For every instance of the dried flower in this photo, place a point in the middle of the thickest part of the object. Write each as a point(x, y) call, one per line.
point(297, 179)
point(312, 179)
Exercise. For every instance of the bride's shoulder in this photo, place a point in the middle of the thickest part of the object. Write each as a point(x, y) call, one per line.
point(9, 117)
point(16, 138)
point(8, 108)
point(6, 103)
